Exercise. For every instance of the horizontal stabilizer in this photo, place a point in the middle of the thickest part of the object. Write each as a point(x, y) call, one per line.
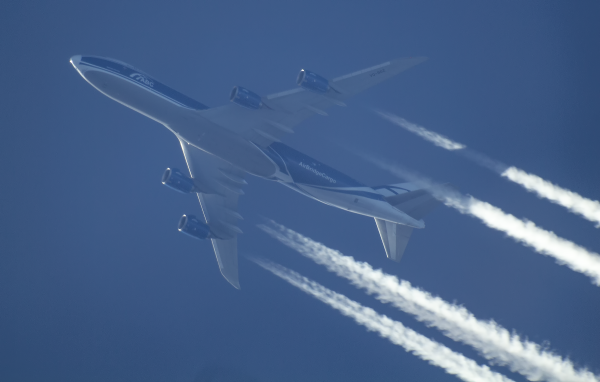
point(408, 198)
point(416, 204)
point(395, 238)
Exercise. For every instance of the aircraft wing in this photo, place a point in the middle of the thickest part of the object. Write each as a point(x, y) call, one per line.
point(284, 110)
point(221, 185)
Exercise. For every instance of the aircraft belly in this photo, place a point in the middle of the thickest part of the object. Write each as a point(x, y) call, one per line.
point(353, 203)
point(344, 201)
point(361, 205)
point(188, 126)
point(133, 96)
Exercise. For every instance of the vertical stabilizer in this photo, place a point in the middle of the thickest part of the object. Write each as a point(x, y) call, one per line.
point(409, 199)
point(395, 238)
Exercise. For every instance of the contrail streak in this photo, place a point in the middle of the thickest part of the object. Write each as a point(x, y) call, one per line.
point(575, 203)
point(428, 135)
point(421, 346)
point(545, 242)
point(589, 209)
point(492, 340)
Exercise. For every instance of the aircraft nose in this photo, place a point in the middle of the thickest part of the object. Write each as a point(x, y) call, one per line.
point(75, 61)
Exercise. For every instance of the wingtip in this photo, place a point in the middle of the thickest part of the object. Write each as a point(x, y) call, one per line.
point(232, 279)
point(236, 284)
point(417, 59)
point(408, 62)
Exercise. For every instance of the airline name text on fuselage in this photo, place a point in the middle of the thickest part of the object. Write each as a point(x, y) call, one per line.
point(318, 173)
point(142, 79)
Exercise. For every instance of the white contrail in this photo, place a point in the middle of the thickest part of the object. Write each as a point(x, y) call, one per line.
point(575, 203)
point(435, 138)
point(589, 209)
point(421, 346)
point(492, 340)
point(526, 232)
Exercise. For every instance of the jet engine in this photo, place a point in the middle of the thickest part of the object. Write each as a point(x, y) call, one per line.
point(192, 226)
point(246, 98)
point(174, 179)
point(312, 81)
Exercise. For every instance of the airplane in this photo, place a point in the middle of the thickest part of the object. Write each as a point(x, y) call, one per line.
point(222, 145)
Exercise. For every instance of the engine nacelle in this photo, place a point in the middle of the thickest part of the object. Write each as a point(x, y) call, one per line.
point(174, 179)
point(192, 226)
point(312, 81)
point(246, 98)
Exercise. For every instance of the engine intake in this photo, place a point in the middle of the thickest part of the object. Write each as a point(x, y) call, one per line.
point(192, 226)
point(312, 81)
point(174, 179)
point(246, 98)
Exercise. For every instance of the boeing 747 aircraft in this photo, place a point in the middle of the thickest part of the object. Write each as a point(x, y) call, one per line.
point(223, 144)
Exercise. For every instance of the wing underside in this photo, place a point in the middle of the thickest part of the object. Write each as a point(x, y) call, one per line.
point(221, 184)
point(285, 110)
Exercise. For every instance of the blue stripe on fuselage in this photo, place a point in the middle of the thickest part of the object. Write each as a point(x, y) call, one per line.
point(275, 157)
point(305, 170)
point(142, 79)
point(391, 188)
point(364, 194)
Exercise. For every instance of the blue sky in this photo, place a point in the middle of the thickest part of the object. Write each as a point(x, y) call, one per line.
point(97, 284)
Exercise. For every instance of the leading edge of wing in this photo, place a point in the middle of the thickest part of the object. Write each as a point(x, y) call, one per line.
point(286, 109)
point(394, 67)
point(351, 84)
point(398, 65)
point(219, 205)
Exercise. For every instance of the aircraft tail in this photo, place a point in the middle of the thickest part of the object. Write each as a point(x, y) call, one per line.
point(413, 201)
point(394, 237)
